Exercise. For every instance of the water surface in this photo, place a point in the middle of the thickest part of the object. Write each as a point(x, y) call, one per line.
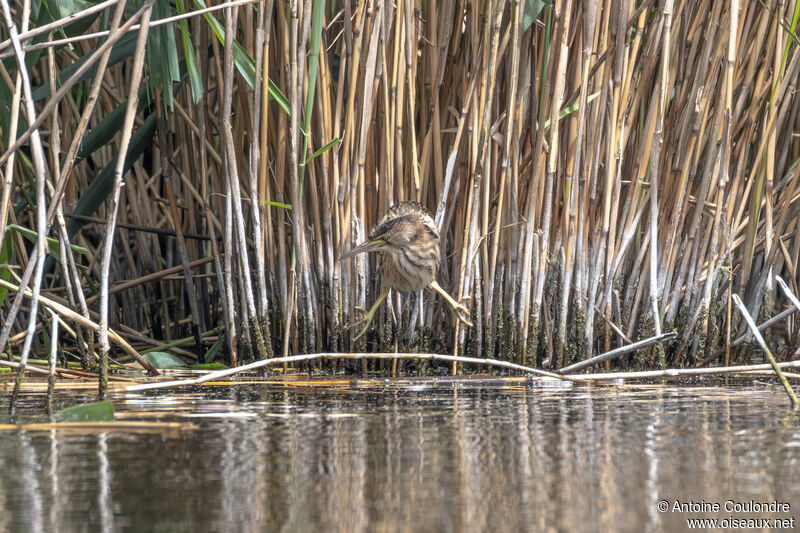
point(403, 455)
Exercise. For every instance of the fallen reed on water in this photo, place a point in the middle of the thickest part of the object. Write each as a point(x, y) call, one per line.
point(602, 172)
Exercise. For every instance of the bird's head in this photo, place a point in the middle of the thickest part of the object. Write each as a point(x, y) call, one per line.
point(390, 236)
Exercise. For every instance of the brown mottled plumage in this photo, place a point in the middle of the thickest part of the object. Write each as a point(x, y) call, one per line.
point(408, 241)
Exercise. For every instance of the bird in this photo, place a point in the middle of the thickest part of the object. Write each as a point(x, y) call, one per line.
point(407, 240)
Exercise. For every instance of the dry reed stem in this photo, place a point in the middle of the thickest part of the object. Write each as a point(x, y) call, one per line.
point(75, 317)
point(108, 240)
point(618, 352)
point(39, 165)
point(752, 325)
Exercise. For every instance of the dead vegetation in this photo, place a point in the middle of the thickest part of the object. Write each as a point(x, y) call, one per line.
point(603, 171)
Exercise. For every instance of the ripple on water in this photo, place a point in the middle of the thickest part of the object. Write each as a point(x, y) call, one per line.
point(402, 455)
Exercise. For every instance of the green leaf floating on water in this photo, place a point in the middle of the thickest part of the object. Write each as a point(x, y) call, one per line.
point(209, 366)
point(163, 360)
point(87, 412)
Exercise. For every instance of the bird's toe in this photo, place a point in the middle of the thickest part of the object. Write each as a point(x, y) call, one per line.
point(361, 333)
point(464, 319)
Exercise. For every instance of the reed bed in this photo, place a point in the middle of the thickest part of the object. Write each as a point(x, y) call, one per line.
point(602, 172)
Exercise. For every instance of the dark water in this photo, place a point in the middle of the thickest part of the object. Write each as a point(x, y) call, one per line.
point(415, 455)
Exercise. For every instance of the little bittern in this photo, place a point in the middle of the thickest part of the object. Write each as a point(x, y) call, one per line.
point(408, 242)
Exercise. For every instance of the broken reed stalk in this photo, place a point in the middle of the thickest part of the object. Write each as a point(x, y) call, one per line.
point(360, 356)
point(584, 378)
point(771, 373)
point(789, 294)
point(617, 352)
point(686, 372)
point(757, 334)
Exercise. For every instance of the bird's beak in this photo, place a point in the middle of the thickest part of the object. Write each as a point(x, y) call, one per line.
point(364, 247)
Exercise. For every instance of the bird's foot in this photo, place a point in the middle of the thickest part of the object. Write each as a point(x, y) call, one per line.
point(365, 319)
point(462, 312)
point(459, 308)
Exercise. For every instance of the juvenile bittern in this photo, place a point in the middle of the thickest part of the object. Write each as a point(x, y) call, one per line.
point(408, 242)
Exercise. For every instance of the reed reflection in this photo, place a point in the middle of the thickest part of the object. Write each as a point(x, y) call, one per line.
point(435, 458)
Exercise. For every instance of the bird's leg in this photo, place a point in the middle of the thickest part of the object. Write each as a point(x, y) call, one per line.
point(459, 308)
point(367, 318)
